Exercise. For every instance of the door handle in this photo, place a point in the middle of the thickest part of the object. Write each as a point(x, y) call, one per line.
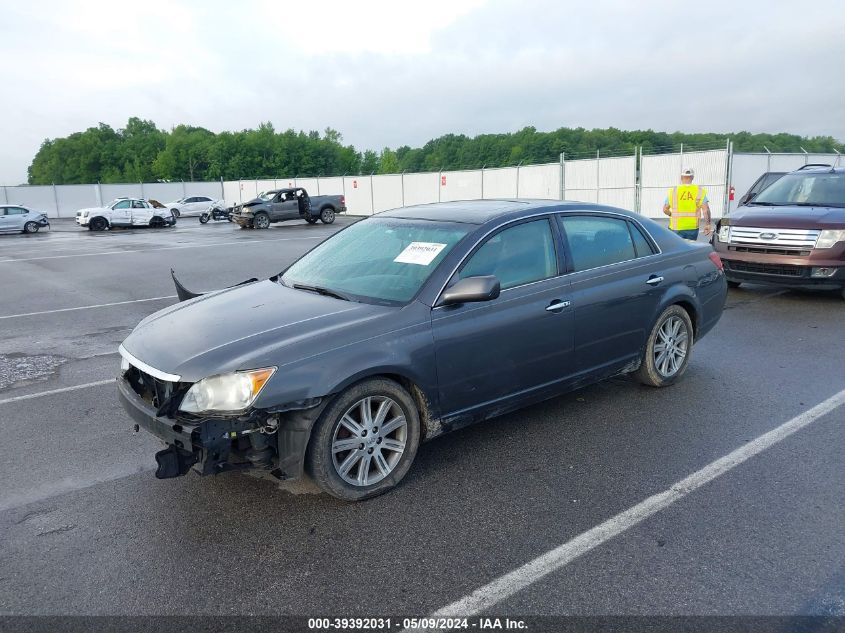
point(557, 306)
point(653, 281)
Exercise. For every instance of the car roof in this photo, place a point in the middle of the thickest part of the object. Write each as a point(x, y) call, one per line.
point(819, 169)
point(483, 211)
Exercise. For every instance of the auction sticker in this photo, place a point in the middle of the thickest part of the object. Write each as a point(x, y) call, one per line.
point(422, 253)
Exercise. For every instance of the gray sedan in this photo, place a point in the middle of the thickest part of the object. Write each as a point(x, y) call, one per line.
point(18, 219)
point(410, 324)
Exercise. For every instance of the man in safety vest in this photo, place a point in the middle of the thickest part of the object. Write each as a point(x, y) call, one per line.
point(685, 205)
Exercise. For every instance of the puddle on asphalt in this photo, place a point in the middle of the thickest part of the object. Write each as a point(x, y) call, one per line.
point(22, 368)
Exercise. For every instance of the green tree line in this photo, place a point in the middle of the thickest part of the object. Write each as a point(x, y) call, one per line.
point(142, 152)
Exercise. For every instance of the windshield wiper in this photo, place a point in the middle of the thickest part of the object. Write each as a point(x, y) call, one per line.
point(765, 204)
point(322, 291)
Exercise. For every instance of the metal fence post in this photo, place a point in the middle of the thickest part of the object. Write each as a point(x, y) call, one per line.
point(402, 176)
point(517, 178)
point(482, 181)
point(56, 200)
point(240, 191)
point(142, 188)
point(598, 175)
point(638, 192)
point(99, 194)
point(5, 195)
point(222, 190)
point(728, 170)
point(563, 175)
point(372, 195)
point(768, 159)
point(682, 158)
point(838, 156)
point(318, 185)
point(183, 188)
point(440, 183)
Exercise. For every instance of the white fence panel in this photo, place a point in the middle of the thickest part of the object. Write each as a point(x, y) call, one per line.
point(421, 188)
point(166, 192)
point(126, 190)
point(539, 181)
point(581, 175)
point(309, 184)
point(460, 185)
point(36, 197)
point(660, 172)
point(74, 197)
point(359, 200)
point(500, 183)
point(387, 192)
point(232, 192)
point(331, 186)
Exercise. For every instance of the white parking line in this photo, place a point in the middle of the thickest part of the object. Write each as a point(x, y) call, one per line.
point(166, 248)
point(52, 392)
point(99, 305)
point(506, 586)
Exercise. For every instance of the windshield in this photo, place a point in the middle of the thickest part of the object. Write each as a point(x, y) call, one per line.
point(380, 260)
point(825, 189)
point(266, 195)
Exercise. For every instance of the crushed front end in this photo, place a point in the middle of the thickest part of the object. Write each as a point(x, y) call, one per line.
point(206, 444)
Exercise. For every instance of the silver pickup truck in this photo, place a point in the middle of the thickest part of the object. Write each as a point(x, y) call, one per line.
point(279, 205)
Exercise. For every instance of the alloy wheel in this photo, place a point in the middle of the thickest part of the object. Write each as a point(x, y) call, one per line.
point(670, 347)
point(369, 440)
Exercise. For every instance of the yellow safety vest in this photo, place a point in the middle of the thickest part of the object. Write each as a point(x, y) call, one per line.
point(684, 206)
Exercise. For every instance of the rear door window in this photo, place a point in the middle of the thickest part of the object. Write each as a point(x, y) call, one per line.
point(597, 241)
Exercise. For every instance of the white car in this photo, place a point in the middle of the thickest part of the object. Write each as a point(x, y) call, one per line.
point(194, 205)
point(125, 212)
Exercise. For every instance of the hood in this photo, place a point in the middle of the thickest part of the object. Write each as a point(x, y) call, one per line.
point(788, 217)
point(245, 327)
point(90, 210)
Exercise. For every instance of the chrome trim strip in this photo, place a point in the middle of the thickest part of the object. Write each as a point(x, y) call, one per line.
point(147, 369)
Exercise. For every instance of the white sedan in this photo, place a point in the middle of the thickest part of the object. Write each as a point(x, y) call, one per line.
point(194, 205)
point(125, 212)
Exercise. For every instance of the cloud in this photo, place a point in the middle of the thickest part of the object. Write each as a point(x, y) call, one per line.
point(392, 73)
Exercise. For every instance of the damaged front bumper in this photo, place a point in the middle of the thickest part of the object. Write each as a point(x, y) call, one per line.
point(206, 445)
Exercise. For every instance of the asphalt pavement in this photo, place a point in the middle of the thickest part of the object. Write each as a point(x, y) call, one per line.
point(86, 529)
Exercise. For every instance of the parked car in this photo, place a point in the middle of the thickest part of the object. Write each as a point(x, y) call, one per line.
point(194, 205)
point(125, 212)
point(411, 323)
point(279, 205)
point(767, 179)
point(791, 234)
point(19, 219)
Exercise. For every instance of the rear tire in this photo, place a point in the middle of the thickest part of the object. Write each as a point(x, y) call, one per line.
point(668, 348)
point(327, 215)
point(176, 213)
point(733, 284)
point(261, 221)
point(348, 449)
point(30, 227)
point(97, 224)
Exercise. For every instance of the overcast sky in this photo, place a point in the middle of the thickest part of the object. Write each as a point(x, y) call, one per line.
point(390, 73)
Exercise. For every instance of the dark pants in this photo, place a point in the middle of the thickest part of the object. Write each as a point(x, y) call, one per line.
point(688, 234)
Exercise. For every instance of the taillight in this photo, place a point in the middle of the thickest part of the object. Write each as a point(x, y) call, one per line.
point(343, 201)
point(714, 257)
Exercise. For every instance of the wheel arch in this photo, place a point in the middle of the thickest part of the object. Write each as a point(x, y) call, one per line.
point(683, 296)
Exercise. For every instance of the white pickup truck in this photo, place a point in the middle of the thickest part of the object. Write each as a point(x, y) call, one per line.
point(125, 212)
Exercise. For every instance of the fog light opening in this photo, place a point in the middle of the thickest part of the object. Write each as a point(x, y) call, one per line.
point(824, 271)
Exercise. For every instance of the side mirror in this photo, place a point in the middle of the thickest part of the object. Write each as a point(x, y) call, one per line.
point(745, 199)
point(471, 289)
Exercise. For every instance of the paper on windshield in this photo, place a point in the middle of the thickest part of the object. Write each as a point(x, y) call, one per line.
point(420, 253)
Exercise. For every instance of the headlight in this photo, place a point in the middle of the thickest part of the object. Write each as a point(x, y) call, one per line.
point(829, 238)
point(226, 392)
point(724, 233)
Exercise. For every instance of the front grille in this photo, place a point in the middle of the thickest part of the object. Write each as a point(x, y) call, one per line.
point(797, 242)
point(163, 395)
point(765, 269)
point(770, 251)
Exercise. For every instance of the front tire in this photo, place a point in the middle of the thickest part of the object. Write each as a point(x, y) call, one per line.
point(261, 221)
point(327, 215)
point(30, 227)
point(733, 284)
point(203, 218)
point(667, 351)
point(97, 224)
point(365, 441)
